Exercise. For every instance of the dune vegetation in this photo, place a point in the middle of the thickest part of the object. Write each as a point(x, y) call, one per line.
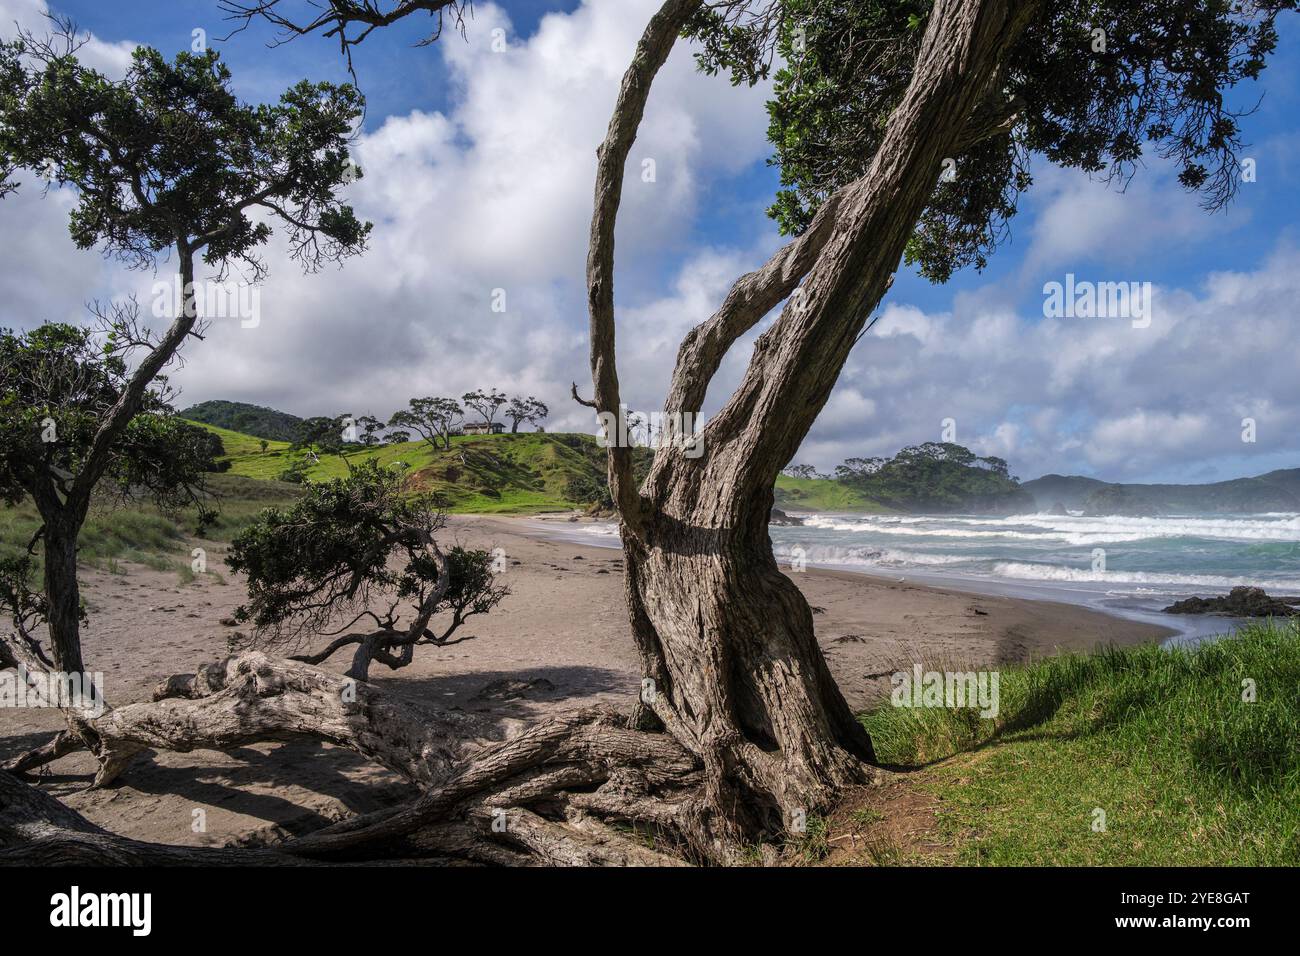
point(1136, 756)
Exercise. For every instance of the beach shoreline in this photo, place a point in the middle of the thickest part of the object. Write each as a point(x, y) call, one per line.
point(560, 640)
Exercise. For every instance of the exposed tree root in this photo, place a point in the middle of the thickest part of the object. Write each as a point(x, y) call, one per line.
point(579, 789)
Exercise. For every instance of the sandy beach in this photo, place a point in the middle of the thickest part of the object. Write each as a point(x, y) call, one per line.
point(561, 639)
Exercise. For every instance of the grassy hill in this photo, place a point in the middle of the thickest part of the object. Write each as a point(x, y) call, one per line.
point(251, 420)
point(532, 471)
point(526, 472)
point(1158, 739)
point(821, 494)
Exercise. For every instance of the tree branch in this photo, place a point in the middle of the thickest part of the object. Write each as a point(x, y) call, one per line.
point(611, 158)
point(752, 296)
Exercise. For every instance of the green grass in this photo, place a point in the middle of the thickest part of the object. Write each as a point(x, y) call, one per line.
point(502, 474)
point(108, 538)
point(822, 494)
point(116, 535)
point(1186, 772)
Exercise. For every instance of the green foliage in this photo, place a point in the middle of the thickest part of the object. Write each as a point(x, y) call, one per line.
point(346, 544)
point(936, 477)
point(521, 410)
point(485, 403)
point(248, 419)
point(1156, 74)
point(60, 383)
point(168, 154)
point(432, 418)
point(822, 494)
point(24, 607)
point(1188, 770)
point(527, 472)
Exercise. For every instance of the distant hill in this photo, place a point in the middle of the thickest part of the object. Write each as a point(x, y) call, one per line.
point(527, 472)
point(249, 419)
point(1275, 491)
point(821, 494)
point(933, 478)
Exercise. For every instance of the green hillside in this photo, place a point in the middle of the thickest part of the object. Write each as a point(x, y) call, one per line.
point(821, 494)
point(254, 420)
point(1275, 491)
point(526, 472)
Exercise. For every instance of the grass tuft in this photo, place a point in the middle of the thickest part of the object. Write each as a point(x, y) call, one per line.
point(1166, 743)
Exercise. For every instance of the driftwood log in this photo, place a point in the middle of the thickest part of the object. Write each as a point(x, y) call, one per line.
point(588, 771)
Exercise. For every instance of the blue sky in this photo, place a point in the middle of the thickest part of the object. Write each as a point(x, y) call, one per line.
point(478, 178)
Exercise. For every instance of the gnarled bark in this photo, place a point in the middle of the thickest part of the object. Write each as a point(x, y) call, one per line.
point(482, 797)
point(726, 641)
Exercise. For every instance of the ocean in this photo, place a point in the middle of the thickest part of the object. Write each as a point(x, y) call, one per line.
point(1132, 567)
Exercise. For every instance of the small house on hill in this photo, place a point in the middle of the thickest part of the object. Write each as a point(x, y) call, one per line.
point(483, 428)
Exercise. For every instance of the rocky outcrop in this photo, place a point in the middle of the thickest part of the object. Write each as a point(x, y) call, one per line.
point(783, 520)
point(1239, 602)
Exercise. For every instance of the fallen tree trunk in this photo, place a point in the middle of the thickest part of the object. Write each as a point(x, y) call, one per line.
point(547, 795)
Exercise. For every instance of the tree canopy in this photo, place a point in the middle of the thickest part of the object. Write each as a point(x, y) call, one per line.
point(168, 154)
point(60, 383)
point(937, 476)
point(1090, 85)
point(348, 546)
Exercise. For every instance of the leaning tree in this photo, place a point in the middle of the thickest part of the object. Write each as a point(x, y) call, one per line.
point(740, 726)
point(320, 567)
point(165, 160)
point(525, 410)
point(876, 106)
point(433, 418)
point(485, 402)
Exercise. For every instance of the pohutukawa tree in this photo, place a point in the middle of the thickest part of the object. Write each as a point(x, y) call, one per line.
point(486, 403)
point(526, 410)
point(740, 725)
point(874, 103)
point(432, 418)
point(322, 566)
point(163, 161)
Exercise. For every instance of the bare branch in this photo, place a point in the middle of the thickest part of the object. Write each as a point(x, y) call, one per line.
point(611, 158)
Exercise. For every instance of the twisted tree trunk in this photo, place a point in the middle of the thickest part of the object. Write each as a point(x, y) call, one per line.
point(64, 593)
point(757, 734)
point(733, 671)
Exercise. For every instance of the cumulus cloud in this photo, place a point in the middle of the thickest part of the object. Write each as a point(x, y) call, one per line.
point(1092, 395)
point(489, 201)
point(110, 58)
point(486, 204)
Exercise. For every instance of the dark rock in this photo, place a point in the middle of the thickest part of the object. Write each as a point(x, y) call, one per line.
point(783, 520)
point(1058, 509)
point(1239, 602)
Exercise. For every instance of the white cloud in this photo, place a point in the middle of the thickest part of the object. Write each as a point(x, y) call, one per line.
point(1087, 394)
point(494, 194)
point(110, 58)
